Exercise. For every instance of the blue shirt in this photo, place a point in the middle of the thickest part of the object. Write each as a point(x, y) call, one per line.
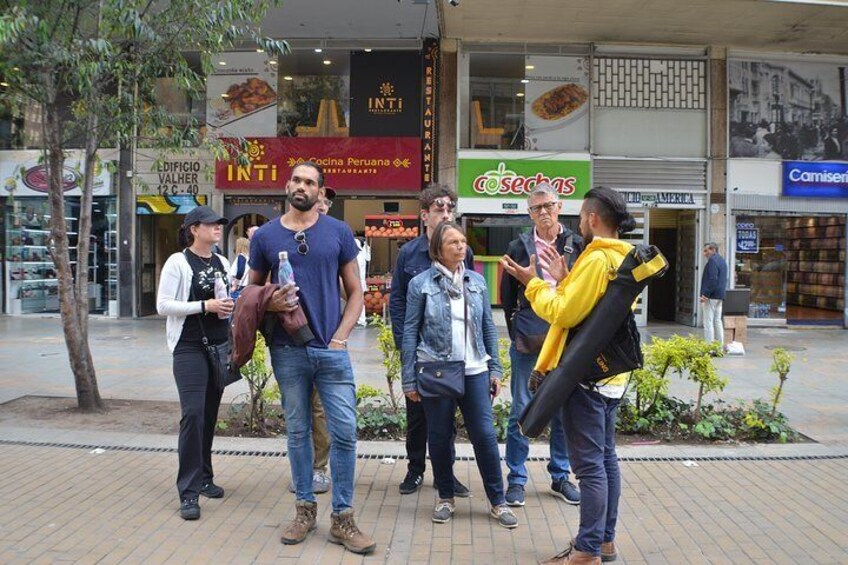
point(331, 246)
point(714, 279)
point(414, 258)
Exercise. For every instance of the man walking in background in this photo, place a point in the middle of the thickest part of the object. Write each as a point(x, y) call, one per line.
point(713, 292)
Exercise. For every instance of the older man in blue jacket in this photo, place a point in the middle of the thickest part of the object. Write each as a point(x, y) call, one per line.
point(713, 292)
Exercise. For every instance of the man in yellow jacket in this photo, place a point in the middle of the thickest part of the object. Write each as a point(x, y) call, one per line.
point(588, 415)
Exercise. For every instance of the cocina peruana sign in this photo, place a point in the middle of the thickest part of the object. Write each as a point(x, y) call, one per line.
point(349, 163)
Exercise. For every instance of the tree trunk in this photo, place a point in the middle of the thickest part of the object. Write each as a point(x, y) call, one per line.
point(74, 326)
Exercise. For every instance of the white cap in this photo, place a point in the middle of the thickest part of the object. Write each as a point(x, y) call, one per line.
point(283, 255)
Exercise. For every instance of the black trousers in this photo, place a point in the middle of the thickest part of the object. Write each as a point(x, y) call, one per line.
point(416, 437)
point(199, 402)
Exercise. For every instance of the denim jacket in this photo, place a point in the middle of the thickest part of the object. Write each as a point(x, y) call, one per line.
point(428, 322)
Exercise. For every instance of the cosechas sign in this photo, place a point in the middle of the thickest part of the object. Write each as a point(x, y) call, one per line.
point(815, 180)
point(496, 178)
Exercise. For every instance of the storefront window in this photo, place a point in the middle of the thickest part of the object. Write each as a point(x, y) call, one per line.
point(314, 93)
point(526, 102)
point(794, 266)
point(32, 285)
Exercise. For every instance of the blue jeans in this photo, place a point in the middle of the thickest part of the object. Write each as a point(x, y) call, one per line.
point(298, 370)
point(476, 407)
point(517, 445)
point(589, 420)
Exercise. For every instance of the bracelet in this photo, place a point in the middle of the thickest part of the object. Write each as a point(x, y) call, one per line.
point(342, 342)
point(202, 306)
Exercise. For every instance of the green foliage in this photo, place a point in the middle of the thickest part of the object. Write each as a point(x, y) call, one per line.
point(687, 356)
point(263, 392)
point(391, 358)
point(781, 363)
point(375, 422)
point(761, 423)
point(365, 393)
point(500, 413)
point(672, 420)
point(506, 362)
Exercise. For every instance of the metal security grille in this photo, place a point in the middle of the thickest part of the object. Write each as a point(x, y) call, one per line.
point(656, 84)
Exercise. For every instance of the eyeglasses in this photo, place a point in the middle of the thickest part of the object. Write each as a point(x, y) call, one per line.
point(442, 203)
point(302, 247)
point(547, 207)
point(328, 203)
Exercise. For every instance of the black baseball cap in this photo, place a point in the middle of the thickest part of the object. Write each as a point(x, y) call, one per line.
point(204, 215)
point(330, 193)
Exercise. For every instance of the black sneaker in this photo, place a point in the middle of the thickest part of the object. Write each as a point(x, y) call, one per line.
point(189, 509)
point(515, 495)
point(411, 483)
point(459, 489)
point(566, 490)
point(211, 490)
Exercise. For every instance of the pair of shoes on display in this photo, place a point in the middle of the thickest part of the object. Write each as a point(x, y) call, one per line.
point(320, 483)
point(343, 528)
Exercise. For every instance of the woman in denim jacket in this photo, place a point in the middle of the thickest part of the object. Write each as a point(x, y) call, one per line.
point(449, 318)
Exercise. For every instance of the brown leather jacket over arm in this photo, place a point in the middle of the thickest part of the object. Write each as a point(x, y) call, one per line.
point(249, 317)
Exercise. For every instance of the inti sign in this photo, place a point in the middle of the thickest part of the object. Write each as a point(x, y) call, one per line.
point(349, 163)
point(815, 179)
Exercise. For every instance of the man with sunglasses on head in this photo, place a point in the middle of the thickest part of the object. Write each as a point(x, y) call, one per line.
point(527, 332)
point(438, 203)
point(321, 250)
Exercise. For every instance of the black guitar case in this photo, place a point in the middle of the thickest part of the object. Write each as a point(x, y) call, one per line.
point(605, 344)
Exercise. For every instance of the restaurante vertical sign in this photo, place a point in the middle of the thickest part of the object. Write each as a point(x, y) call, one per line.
point(430, 116)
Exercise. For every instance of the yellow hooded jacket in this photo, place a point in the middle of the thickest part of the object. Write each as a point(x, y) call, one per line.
point(575, 297)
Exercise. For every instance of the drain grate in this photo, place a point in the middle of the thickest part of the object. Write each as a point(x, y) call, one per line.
point(372, 456)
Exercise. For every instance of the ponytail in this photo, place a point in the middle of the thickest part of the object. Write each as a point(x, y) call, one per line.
point(612, 209)
point(184, 237)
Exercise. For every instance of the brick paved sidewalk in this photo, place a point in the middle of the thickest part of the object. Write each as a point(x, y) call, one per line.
point(71, 505)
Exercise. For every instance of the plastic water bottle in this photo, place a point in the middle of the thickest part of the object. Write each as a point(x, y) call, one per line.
point(285, 273)
point(221, 293)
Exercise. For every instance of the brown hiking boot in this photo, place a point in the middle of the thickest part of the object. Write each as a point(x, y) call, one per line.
point(608, 552)
point(572, 556)
point(344, 531)
point(303, 523)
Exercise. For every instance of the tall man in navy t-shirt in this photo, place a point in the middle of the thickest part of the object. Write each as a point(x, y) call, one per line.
point(321, 249)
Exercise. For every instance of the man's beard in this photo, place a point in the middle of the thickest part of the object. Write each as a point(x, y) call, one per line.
point(302, 205)
point(587, 237)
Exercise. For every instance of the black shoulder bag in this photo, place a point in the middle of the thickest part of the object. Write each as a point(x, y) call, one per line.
point(223, 371)
point(444, 379)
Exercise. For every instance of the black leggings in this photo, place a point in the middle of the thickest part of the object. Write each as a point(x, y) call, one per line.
point(199, 402)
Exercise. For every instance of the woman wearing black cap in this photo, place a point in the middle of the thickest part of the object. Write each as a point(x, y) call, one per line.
point(187, 297)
